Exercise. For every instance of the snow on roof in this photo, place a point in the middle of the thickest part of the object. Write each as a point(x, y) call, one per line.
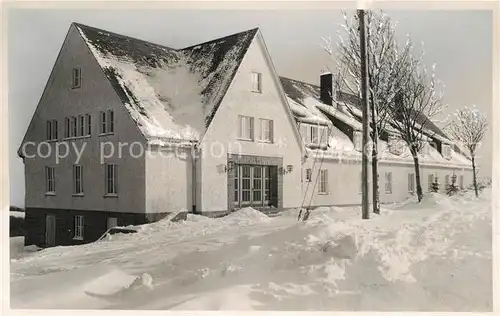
point(170, 93)
point(304, 100)
point(307, 103)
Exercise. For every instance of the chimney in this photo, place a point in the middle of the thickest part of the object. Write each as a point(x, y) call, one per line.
point(326, 82)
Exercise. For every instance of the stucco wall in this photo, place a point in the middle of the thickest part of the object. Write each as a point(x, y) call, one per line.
point(222, 135)
point(59, 101)
point(344, 181)
point(168, 180)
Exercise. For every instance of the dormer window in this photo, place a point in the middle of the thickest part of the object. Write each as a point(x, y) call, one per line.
point(447, 151)
point(77, 78)
point(395, 145)
point(256, 82)
point(425, 148)
point(314, 134)
point(358, 140)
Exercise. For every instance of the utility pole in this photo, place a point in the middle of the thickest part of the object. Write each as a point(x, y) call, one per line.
point(364, 104)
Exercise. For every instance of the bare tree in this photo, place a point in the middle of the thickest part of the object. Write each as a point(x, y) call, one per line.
point(417, 102)
point(384, 73)
point(468, 128)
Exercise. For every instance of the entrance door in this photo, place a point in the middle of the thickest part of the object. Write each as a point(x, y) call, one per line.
point(50, 230)
point(255, 186)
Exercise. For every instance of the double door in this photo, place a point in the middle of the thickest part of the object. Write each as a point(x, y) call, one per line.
point(255, 185)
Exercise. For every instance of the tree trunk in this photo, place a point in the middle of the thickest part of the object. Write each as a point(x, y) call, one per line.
point(417, 178)
point(474, 179)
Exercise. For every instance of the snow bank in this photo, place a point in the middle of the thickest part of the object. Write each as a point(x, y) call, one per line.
point(435, 255)
point(70, 290)
point(245, 216)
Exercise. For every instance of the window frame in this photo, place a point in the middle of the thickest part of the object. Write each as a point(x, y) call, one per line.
point(73, 124)
point(110, 181)
point(50, 180)
point(250, 128)
point(67, 127)
point(81, 126)
point(102, 122)
point(323, 181)
point(79, 227)
point(411, 182)
point(76, 77)
point(430, 181)
point(106, 122)
point(51, 130)
point(313, 134)
point(77, 180)
point(256, 82)
point(88, 124)
point(388, 183)
point(264, 130)
point(111, 122)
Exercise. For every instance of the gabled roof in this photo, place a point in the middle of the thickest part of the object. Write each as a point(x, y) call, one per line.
point(300, 91)
point(170, 93)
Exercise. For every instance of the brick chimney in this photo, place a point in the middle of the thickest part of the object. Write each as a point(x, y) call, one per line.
point(326, 89)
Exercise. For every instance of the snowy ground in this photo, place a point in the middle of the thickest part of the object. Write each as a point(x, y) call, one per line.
point(432, 256)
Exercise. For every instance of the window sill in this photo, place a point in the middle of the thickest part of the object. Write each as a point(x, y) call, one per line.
point(78, 194)
point(265, 141)
point(76, 87)
point(111, 195)
point(323, 193)
point(52, 140)
point(50, 193)
point(246, 139)
point(77, 137)
point(257, 91)
point(78, 238)
point(105, 134)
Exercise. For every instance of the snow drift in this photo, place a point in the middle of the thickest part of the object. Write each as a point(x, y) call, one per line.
point(430, 256)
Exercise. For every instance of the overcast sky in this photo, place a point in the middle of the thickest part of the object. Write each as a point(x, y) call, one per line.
point(459, 42)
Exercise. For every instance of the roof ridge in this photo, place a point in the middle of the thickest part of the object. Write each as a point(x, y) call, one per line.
point(255, 29)
point(122, 35)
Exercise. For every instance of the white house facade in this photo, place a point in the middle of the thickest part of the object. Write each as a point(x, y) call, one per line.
point(206, 129)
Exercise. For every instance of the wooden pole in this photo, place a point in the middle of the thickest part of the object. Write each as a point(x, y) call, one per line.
point(365, 105)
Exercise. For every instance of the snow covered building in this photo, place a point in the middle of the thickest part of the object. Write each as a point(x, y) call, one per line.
point(128, 131)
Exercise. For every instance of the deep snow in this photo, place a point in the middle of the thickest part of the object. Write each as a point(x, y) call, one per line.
point(436, 255)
